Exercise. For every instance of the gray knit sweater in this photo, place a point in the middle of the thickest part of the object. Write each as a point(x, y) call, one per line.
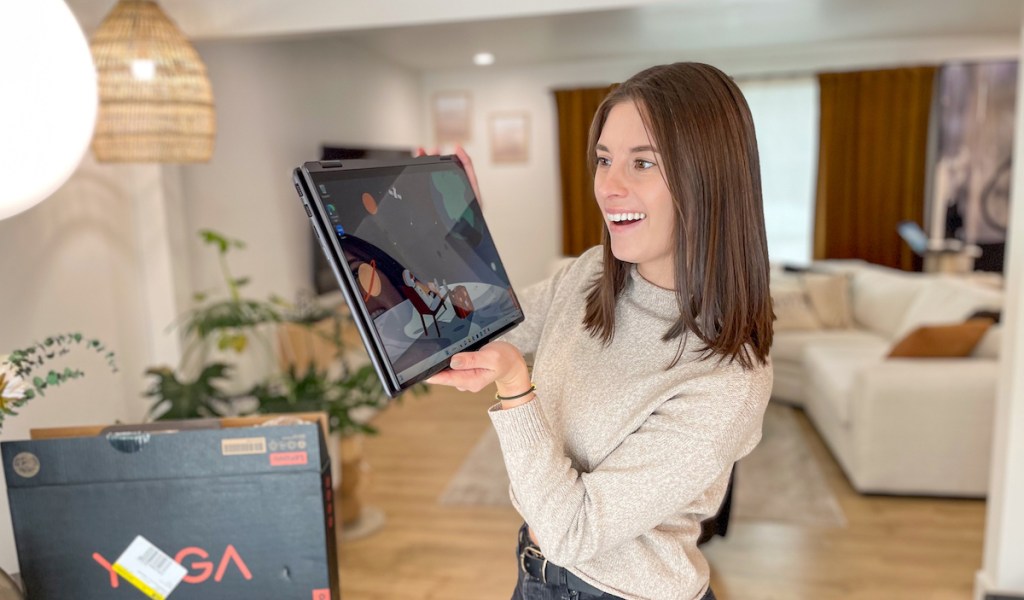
point(617, 460)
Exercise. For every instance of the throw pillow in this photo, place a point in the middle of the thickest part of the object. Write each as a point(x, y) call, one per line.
point(829, 296)
point(989, 345)
point(942, 341)
point(792, 312)
point(944, 299)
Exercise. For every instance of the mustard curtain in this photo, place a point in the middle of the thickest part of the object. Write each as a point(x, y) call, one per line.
point(872, 163)
point(582, 223)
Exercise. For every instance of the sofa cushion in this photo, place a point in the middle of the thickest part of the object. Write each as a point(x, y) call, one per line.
point(988, 347)
point(942, 341)
point(881, 296)
point(832, 370)
point(789, 346)
point(793, 312)
point(945, 301)
point(829, 296)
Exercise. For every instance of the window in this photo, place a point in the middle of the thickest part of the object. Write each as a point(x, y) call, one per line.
point(785, 112)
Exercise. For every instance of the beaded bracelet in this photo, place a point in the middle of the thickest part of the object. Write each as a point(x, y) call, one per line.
point(529, 391)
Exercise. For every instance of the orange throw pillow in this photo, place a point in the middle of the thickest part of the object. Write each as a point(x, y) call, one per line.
point(942, 341)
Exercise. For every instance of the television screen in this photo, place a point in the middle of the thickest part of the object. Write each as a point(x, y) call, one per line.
point(323, 278)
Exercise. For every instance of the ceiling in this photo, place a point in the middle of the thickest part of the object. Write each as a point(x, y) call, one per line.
point(443, 35)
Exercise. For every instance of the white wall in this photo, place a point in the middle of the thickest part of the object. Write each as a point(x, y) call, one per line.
point(277, 102)
point(73, 263)
point(114, 253)
point(522, 202)
point(1003, 567)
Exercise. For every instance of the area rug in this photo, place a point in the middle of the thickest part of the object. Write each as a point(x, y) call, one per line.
point(779, 481)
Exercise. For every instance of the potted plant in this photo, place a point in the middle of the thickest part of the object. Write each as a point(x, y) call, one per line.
point(19, 378)
point(318, 375)
point(312, 375)
point(226, 325)
point(25, 374)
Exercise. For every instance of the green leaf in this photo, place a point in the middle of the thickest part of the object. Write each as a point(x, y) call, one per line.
point(233, 341)
point(199, 296)
point(215, 239)
point(241, 281)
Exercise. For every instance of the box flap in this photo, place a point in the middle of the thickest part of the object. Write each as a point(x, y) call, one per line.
point(46, 433)
point(142, 455)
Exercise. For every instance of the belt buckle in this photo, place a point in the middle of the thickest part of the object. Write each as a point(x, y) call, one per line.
point(534, 553)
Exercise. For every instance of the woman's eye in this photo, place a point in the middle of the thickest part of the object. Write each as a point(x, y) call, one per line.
point(602, 161)
point(642, 165)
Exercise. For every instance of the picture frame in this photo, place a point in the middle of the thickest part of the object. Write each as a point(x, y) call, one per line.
point(510, 137)
point(452, 117)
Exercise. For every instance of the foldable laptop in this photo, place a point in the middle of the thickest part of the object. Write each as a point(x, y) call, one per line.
point(414, 260)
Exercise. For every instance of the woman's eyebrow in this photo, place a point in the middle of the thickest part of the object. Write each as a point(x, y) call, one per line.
point(634, 150)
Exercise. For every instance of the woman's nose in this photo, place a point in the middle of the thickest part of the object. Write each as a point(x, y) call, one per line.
point(609, 183)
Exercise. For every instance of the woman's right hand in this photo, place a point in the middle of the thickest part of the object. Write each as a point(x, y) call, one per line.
point(467, 164)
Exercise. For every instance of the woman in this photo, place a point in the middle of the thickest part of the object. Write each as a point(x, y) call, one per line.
point(651, 370)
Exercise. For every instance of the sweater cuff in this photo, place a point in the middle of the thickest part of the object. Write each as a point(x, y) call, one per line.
point(520, 428)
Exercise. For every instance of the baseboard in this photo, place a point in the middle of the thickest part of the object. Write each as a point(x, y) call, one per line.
point(983, 590)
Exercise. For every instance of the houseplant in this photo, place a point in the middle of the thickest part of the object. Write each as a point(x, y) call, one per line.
point(313, 373)
point(225, 325)
point(317, 374)
point(20, 378)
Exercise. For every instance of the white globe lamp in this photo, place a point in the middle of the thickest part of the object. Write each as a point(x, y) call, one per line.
point(48, 106)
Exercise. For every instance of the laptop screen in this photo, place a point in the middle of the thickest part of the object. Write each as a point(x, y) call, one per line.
point(423, 260)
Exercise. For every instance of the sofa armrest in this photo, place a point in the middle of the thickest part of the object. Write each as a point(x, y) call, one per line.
point(924, 426)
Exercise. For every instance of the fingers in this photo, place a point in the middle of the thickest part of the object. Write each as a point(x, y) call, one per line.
point(472, 380)
point(467, 163)
point(473, 371)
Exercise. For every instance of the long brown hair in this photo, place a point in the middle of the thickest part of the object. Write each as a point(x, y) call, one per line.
point(701, 125)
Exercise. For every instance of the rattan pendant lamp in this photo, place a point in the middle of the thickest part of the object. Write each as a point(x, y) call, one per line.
point(155, 104)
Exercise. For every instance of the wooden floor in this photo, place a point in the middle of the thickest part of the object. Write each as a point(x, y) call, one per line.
point(893, 548)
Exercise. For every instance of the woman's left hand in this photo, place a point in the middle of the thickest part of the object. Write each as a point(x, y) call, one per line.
point(500, 363)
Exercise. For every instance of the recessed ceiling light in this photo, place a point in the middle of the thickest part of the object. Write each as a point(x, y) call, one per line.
point(483, 59)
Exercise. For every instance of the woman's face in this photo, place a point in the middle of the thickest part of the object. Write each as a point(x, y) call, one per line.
point(633, 196)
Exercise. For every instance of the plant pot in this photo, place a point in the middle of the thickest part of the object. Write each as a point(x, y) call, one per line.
point(355, 471)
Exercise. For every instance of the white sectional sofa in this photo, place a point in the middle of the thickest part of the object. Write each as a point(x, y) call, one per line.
point(911, 426)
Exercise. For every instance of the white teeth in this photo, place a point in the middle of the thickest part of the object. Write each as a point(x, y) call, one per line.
point(620, 217)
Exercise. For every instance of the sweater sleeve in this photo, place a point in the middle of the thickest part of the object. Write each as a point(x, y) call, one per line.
point(684, 446)
point(535, 301)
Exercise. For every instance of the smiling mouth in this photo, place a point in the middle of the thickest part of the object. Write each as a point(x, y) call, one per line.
point(622, 219)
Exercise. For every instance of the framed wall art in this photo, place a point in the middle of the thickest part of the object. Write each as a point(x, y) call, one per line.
point(452, 117)
point(510, 137)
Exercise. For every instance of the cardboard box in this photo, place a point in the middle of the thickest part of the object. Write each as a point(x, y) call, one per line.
point(247, 510)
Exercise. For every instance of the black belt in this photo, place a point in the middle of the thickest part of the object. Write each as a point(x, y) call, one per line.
point(533, 562)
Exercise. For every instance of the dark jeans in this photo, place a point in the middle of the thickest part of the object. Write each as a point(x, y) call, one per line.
point(558, 585)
